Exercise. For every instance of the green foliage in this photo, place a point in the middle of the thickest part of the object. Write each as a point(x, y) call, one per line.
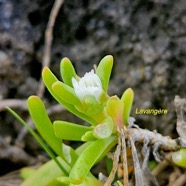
point(104, 71)
point(119, 183)
point(67, 71)
point(43, 124)
point(127, 99)
point(41, 142)
point(179, 157)
point(65, 92)
point(66, 130)
point(89, 157)
point(49, 79)
point(86, 98)
point(47, 174)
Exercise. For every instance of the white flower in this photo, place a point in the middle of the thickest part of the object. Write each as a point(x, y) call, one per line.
point(89, 84)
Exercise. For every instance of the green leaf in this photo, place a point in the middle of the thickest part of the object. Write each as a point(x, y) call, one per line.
point(69, 154)
point(45, 177)
point(49, 79)
point(69, 131)
point(152, 164)
point(114, 109)
point(41, 142)
point(45, 128)
point(65, 92)
point(91, 106)
point(47, 174)
point(89, 157)
point(27, 172)
point(43, 124)
point(179, 157)
point(67, 71)
point(104, 130)
point(88, 136)
point(127, 99)
point(104, 71)
point(119, 183)
point(89, 181)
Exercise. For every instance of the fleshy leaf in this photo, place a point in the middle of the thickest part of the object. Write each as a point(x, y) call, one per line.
point(26, 172)
point(89, 157)
point(43, 124)
point(115, 110)
point(88, 136)
point(104, 130)
point(47, 174)
point(49, 79)
point(65, 92)
point(179, 157)
point(69, 131)
point(89, 181)
point(104, 71)
point(127, 99)
point(67, 71)
point(119, 183)
point(81, 148)
point(92, 107)
point(69, 154)
point(40, 141)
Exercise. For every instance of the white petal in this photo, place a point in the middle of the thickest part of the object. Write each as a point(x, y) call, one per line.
point(89, 84)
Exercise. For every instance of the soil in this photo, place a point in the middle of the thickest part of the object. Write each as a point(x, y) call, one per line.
point(147, 39)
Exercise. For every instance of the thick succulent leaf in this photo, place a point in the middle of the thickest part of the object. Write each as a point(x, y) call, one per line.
point(39, 139)
point(47, 174)
point(114, 109)
point(179, 157)
point(88, 136)
point(49, 79)
point(119, 183)
point(43, 124)
point(26, 172)
point(67, 71)
point(45, 177)
point(89, 181)
point(65, 92)
point(104, 71)
point(104, 130)
point(45, 128)
point(69, 131)
point(69, 153)
point(89, 157)
point(127, 99)
point(91, 106)
point(81, 148)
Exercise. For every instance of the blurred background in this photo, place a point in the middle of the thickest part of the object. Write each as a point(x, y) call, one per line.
point(147, 39)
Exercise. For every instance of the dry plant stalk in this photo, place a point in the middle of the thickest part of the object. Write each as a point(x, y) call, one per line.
point(166, 143)
point(148, 138)
point(46, 58)
point(48, 41)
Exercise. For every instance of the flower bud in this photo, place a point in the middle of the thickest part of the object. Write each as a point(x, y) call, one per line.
point(89, 84)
